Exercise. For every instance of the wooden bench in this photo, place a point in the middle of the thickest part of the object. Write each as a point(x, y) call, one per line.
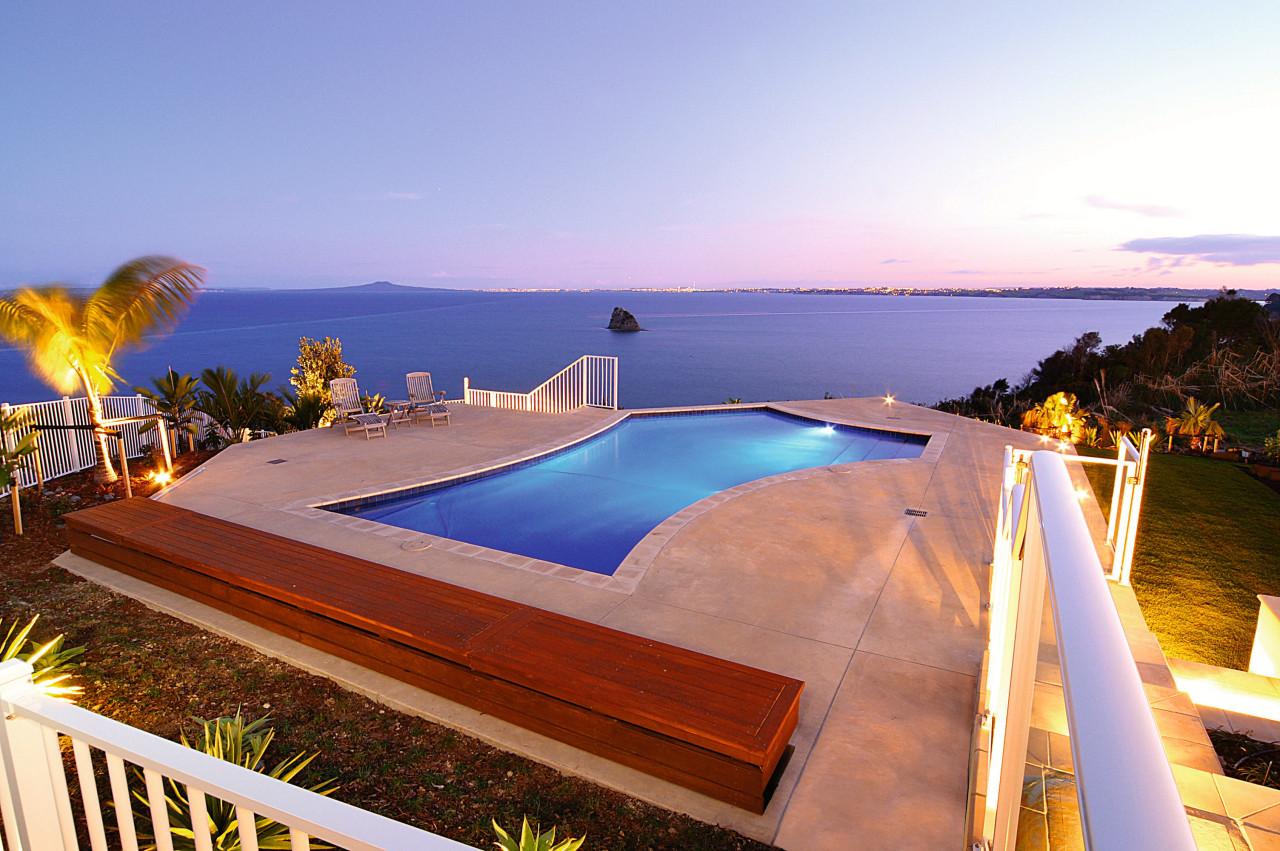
point(711, 725)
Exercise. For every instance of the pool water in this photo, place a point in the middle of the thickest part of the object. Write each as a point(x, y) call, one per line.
point(588, 506)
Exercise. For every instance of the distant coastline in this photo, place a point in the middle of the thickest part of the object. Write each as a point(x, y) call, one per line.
point(1089, 293)
point(1171, 294)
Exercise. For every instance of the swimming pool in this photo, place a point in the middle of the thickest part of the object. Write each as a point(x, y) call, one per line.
point(588, 505)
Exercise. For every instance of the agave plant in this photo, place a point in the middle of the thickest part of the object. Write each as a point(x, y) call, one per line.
point(244, 744)
point(51, 662)
point(375, 404)
point(532, 840)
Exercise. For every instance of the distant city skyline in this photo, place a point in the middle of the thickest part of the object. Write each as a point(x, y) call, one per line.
point(662, 145)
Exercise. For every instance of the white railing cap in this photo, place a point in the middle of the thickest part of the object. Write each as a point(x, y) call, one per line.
point(327, 819)
point(1123, 779)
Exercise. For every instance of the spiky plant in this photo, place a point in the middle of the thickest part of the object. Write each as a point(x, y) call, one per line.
point(51, 662)
point(533, 840)
point(245, 745)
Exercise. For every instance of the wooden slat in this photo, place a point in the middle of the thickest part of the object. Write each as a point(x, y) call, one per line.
point(712, 725)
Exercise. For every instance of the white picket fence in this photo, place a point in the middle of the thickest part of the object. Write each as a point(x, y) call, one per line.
point(64, 451)
point(590, 381)
point(40, 813)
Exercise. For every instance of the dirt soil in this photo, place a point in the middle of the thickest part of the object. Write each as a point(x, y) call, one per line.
point(158, 673)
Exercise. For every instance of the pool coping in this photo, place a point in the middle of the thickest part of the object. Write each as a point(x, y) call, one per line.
point(633, 568)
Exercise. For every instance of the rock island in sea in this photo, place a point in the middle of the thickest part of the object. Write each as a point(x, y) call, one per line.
point(622, 320)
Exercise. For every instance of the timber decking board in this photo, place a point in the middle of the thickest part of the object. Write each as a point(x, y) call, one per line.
point(715, 726)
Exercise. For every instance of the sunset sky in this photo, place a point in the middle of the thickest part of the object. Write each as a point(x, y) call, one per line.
point(472, 144)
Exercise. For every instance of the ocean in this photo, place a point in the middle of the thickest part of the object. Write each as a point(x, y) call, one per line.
point(698, 348)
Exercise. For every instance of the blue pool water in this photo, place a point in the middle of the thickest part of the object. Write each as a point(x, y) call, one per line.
point(586, 507)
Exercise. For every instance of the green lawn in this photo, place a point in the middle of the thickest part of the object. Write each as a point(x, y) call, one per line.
point(1208, 544)
point(1249, 428)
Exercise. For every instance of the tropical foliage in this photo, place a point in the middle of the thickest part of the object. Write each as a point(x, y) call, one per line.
point(70, 338)
point(50, 662)
point(236, 405)
point(243, 744)
point(1225, 354)
point(174, 397)
point(15, 448)
point(533, 840)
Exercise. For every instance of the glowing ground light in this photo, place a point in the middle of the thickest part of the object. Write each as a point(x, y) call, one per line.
point(160, 478)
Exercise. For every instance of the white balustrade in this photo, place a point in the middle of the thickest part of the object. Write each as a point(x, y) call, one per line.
point(1050, 601)
point(40, 814)
point(590, 381)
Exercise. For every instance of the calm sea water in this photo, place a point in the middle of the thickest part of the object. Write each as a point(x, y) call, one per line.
point(698, 348)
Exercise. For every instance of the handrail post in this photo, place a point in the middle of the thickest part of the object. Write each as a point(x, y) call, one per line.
point(124, 466)
point(33, 817)
point(1112, 530)
point(1135, 509)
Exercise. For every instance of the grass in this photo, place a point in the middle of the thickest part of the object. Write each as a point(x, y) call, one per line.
point(1248, 428)
point(1208, 544)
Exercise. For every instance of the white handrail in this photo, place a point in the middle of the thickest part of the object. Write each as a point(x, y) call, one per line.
point(590, 381)
point(1124, 782)
point(39, 787)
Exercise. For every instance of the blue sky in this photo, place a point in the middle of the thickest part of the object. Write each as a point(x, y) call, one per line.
point(644, 144)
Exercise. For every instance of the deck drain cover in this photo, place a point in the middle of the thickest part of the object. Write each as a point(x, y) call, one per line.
point(917, 512)
point(415, 544)
point(279, 461)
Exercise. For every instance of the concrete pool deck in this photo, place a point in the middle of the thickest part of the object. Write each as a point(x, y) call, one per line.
point(819, 575)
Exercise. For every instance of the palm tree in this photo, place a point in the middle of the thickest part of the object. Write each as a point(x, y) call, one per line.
point(70, 338)
point(1196, 420)
point(174, 398)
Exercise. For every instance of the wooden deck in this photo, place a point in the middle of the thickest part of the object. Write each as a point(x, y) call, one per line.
point(711, 725)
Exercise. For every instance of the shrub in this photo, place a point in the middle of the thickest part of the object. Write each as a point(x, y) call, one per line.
point(319, 362)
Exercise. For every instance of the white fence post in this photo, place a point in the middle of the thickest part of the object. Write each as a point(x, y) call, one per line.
point(72, 449)
point(37, 812)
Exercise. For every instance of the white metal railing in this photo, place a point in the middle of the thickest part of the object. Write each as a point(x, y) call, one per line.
point(590, 381)
point(1050, 605)
point(63, 451)
point(1126, 496)
point(38, 809)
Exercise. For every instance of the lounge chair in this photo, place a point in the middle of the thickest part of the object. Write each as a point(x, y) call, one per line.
point(427, 402)
point(350, 410)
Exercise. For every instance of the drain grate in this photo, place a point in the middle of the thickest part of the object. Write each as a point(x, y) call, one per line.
point(279, 461)
point(917, 512)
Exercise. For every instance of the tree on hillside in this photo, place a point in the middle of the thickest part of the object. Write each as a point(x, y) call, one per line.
point(70, 338)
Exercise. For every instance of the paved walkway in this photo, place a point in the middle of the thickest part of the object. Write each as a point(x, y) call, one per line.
point(819, 575)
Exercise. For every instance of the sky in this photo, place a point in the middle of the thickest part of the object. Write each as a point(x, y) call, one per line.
point(625, 144)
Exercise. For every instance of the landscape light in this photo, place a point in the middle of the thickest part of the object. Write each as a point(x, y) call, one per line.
point(160, 478)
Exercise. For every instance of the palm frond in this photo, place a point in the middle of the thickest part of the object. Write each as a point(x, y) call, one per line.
point(146, 294)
